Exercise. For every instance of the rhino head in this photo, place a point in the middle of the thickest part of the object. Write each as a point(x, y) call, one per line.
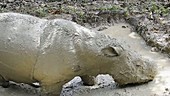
point(98, 53)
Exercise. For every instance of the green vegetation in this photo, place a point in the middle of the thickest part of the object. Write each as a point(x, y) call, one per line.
point(112, 8)
point(41, 12)
point(158, 9)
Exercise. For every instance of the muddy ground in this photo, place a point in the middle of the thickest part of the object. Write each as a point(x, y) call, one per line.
point(148, 18)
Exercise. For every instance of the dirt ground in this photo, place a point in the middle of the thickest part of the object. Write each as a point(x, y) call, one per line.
point(149, 19)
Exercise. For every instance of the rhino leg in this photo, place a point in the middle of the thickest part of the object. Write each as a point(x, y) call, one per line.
point(52, 89)
point(88, 80)
point(4, 83)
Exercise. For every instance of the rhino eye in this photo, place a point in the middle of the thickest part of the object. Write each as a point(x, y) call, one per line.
point(111, 51)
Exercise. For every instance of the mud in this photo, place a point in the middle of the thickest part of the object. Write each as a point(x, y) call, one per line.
point(157, 43)
point(158, 87)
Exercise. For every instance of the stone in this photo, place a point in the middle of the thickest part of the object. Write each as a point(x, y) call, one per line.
point(10, 1)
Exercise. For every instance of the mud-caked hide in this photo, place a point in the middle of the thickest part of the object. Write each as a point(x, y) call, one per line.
point(54, 51)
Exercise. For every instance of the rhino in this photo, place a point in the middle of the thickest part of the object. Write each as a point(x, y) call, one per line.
point(52, 52)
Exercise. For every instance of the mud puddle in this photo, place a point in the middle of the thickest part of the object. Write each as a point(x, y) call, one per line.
point(160, 86)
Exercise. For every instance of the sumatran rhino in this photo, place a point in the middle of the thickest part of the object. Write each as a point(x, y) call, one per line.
point(52, 52)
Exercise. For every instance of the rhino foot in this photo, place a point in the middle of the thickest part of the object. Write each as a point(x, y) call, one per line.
point(4, 83)
point(53, 89)
point(88, 80)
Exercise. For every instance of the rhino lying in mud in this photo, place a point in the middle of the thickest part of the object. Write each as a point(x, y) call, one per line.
point(52, 52)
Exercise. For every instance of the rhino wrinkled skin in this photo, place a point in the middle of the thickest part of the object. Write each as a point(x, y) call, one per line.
point(52, 52)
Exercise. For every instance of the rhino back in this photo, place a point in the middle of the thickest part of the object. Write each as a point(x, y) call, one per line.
point(19, 43)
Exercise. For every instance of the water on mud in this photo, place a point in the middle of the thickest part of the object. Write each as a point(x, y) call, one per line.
point(160, 86)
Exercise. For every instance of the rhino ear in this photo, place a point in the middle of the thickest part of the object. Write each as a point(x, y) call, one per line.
point(111, 51)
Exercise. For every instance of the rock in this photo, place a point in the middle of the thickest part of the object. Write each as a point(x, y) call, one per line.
point(133, 21)
point(166, 89)
point(102, 28)
point(105, 81)
point(154, 49)
point(10, 1)
point(76, 81)
point(115, 2)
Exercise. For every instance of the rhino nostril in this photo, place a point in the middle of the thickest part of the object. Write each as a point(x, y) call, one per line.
point(138, 65)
